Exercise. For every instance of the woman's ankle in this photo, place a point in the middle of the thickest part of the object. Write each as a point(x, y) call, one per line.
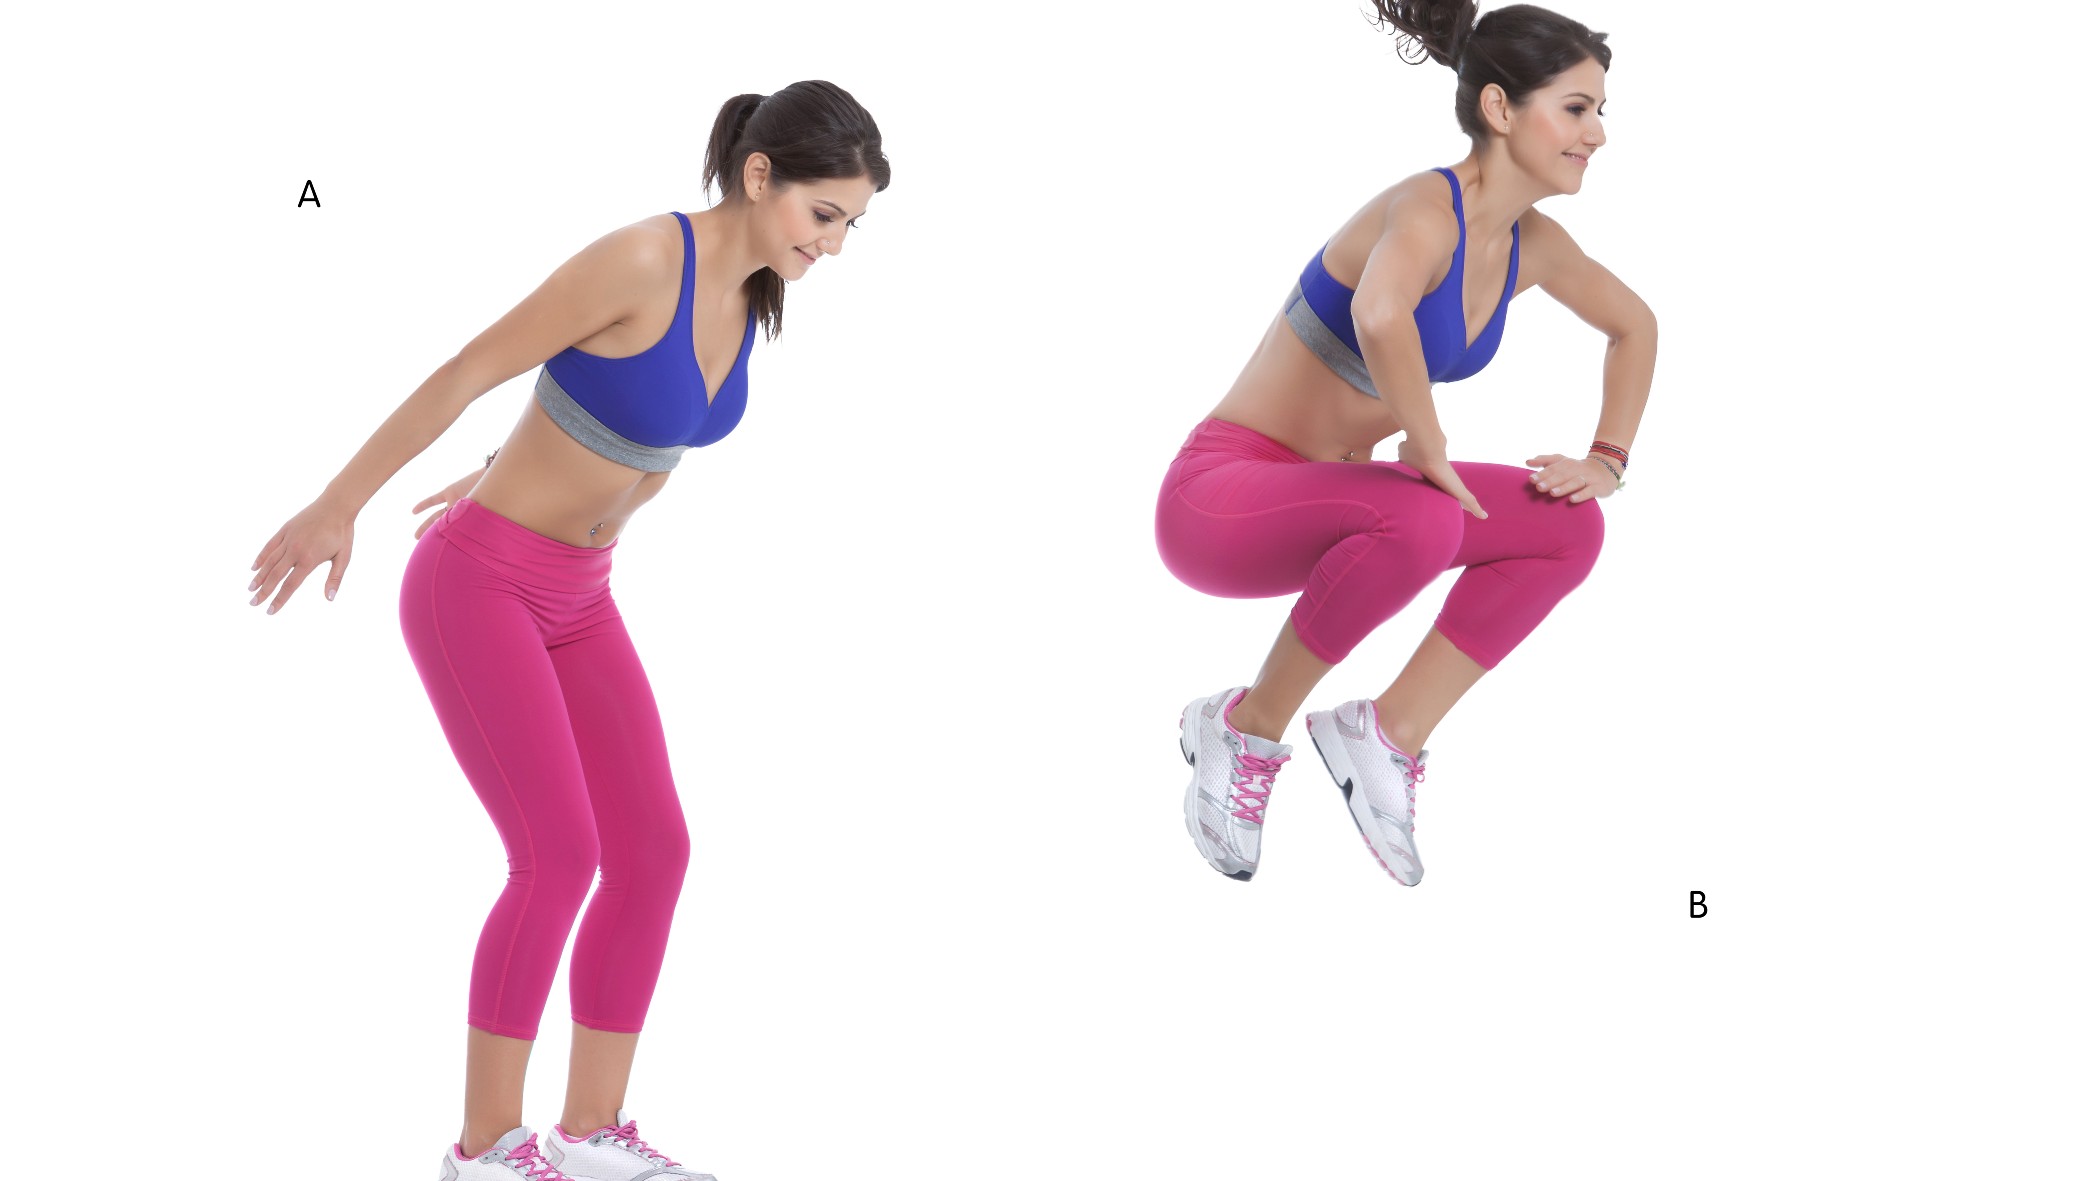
point(1406, 739)
point(578, 1124)
point(1247, 718)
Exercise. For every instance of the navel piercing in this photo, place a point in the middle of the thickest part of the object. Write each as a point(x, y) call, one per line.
point(595, 528)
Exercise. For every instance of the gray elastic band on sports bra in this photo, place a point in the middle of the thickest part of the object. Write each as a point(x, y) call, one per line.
point(595, 435)
point(1326, 345)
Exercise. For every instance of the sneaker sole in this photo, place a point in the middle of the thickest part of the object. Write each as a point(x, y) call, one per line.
point(1321, 727)
point(1188, 807)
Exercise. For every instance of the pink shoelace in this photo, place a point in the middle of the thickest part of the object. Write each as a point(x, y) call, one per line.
point(625, 1134)
point(1415, 770)
point(1252, 782)
point(526, 1159)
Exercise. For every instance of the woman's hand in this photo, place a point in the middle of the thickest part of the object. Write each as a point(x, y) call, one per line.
point(320, 533)
point(447, 497)
point(1428, 459)
point(1577, 479)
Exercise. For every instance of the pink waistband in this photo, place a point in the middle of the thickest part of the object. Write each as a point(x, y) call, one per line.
point(532, 558)
point(1217, 435)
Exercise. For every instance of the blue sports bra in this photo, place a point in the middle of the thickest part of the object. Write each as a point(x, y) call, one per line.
point(1319, 313)
point(647, 409)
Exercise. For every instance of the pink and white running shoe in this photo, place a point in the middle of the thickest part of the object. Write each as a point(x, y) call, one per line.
point(514, 1156)
point(615, 1152)
point(1228, 793)
point(1377, 779)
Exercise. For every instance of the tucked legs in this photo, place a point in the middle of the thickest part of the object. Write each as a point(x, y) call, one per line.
point(1242, 517)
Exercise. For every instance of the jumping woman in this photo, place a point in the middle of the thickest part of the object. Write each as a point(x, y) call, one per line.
point(510, 622)
point(1276, 492)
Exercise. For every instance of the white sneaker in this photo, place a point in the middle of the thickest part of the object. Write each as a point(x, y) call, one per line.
point(1229, 792)
point(1377, 780)
point(614, 1153)
point(516, 1155)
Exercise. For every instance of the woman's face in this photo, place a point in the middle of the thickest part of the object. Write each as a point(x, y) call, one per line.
point(1559, 127)
point(801, 223)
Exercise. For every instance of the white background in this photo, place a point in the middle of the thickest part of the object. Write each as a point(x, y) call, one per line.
point(919, 660)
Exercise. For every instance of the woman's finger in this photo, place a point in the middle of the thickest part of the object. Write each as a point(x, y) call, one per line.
point(427, 523)
point(269, 545)
point(1447, 478)
point(291, 584)
point(270, 577)
point(272, 570)
point(429, 500)
point(338, 566)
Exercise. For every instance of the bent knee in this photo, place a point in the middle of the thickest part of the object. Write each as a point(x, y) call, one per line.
point(566, 864)
point(656, 853)
point(1583, 535)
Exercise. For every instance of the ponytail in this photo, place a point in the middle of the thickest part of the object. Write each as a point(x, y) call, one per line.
point(1519, 47)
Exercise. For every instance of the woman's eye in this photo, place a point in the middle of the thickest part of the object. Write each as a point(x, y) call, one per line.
point(824, 218)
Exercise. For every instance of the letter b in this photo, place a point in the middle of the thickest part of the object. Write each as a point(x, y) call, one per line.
point(1698, 904)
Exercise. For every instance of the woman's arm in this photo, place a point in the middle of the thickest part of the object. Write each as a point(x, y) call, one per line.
point(586, 294)
point(594, 289)
point(1597, 297)
point(1415, 235)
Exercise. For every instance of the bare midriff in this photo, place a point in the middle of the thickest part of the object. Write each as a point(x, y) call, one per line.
point(553, 485)
point(1290, 395)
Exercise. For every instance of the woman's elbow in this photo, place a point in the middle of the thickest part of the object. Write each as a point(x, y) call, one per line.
point(1639, 323)
point(1380, 322)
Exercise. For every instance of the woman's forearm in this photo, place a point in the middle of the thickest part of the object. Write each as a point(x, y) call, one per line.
point(1629, 369)
point(1387, 352)
point(427, 413)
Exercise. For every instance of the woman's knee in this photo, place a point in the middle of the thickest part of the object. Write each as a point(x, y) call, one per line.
point(655, 853)
point(562, 863)
point(1585, 534)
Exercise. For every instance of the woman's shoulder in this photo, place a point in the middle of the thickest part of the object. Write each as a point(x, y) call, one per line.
point(1416, 204)
point(645, 248)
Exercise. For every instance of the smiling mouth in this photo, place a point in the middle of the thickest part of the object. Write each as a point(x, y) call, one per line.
point(807, 257)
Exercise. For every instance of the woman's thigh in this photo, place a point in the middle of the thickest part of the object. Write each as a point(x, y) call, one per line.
point(1251, 529)
point(486, 669)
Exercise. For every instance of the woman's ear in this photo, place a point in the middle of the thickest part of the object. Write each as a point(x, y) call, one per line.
point(757, 170)
point(1495, 107)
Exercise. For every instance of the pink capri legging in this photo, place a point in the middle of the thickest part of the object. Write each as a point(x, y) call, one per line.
point(546, 707)
point(1242, 516)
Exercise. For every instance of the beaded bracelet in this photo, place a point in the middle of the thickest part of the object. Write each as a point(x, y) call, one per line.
point(1616, 473)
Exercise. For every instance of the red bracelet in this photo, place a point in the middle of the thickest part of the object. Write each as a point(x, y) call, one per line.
point(1600, 447)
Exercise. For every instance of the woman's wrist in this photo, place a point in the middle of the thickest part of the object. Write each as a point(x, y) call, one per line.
point(342, 502)
point(1617, 473)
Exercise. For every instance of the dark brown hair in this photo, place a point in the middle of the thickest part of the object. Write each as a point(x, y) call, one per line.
point(810, 131)
point(1519, 48)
